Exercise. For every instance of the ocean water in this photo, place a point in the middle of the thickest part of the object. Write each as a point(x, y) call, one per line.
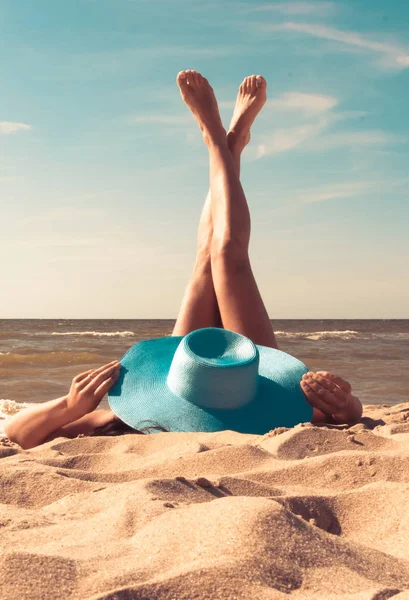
point(39, 358)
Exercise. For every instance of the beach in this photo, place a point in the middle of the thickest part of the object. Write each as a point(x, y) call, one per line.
point(313, 512)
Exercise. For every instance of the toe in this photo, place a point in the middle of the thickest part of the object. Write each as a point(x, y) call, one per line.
point(190, 77)
point(253, 84)
point(247, 85)
point(196, 77)
point(181, 78)
point(261, 82)
point(243, 86)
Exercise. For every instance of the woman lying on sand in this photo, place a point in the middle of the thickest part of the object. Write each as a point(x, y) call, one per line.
point(222, 292)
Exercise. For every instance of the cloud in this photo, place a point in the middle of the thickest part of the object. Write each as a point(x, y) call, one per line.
point(161, 119)
point(296, 8)
point(340, 190)
point(125, 61)
point(9, 127)
point(312, 136)
point(403, 60)
point(304, 102)
point(391, 55)
point(352, 139)
point(336, 190)
point(295, 101)
point(283, 140)
point(71, 212)
point(64, 214)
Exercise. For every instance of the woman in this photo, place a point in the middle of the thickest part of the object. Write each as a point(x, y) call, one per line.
point(222, 291)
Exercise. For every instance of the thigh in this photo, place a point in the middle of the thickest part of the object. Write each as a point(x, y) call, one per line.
point(241, 307)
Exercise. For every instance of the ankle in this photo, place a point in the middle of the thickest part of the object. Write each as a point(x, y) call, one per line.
point(236, 142)
point(215, 137)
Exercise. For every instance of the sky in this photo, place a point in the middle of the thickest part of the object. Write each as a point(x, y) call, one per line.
point(103, 171)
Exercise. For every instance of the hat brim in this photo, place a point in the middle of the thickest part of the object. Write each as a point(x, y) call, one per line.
point(141, 396)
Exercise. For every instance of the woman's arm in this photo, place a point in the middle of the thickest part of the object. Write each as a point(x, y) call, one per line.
point(31, 426)
point(34, 425)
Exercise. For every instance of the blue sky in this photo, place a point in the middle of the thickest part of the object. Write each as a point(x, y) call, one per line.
point(103, 171)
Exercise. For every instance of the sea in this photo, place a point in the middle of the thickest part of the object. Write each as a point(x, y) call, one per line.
point(39, 358)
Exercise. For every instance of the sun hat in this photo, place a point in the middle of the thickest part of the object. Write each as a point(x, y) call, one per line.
point(209, 380)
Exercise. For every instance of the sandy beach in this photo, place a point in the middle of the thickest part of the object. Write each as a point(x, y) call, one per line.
point(314, 512)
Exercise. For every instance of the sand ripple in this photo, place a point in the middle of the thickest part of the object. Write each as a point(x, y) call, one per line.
point(309, 512)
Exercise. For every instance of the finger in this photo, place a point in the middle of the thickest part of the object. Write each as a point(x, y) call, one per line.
point(329, 397)
point(315, 399)
point(335, 399)
point(98, 379)
point(338, 380)
point(82, 376)
point(107, 366)
point(107, 384)
point(331, 387)
point(328, 384)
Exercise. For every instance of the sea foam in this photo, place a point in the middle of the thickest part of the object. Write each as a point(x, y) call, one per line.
point(346, 334)
point(9, 408)
point(96, 333)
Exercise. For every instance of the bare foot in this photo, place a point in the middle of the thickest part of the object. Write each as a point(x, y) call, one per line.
point(198, 94)
point(250, 100)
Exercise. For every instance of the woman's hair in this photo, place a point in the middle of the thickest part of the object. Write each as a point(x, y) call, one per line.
point(118, 427)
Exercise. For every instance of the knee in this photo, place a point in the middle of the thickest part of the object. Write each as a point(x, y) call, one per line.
point(230, 253)
point(203, 265)
point(204, 245)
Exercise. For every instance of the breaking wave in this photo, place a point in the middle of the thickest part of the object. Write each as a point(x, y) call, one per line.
point(96, 333)
point(347, 334)
point(9, 408)
point(54, 359)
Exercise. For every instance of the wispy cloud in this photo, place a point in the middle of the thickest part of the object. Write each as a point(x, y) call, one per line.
point(64, 214)
point(313, 136)
point(9, 127)
point(283, 140)
point(296, 101)
point(96, 65)
point(295, 8)
point(391, 55)
point(354, 139)
point(304, 102)
point(337, 190)
point(161, 119)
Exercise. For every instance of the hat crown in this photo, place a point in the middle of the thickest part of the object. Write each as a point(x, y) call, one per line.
point(215, 368)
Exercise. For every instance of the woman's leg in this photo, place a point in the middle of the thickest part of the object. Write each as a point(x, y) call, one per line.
point(240, 304)
point(199, 306)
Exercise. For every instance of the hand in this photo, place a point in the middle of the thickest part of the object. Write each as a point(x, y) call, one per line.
point(331, 395)
point(88, 388)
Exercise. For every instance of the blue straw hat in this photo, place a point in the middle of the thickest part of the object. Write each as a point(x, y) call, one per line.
point(210, 380)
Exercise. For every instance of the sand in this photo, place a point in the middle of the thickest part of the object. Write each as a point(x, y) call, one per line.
point(313, 512)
